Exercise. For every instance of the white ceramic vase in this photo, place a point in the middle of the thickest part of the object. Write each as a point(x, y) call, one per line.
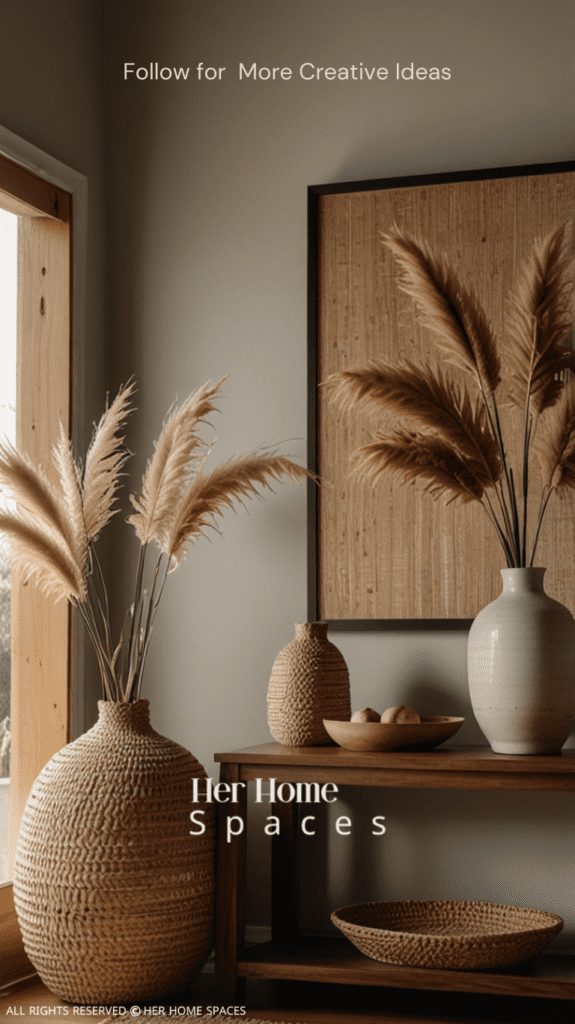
point(521, 665)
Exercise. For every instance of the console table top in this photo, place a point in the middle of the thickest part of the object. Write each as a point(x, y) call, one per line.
point(453, 758)
point(466, 767)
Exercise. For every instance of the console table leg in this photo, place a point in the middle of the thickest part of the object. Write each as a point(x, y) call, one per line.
point(230, 895)
point(285, 876)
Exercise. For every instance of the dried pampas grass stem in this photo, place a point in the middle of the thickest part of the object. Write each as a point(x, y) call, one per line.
point(53, 530)
point(104, 461)
point(209, 494)
point(178, 449)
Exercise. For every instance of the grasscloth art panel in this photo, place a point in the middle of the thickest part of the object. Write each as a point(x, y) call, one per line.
point(388, 552)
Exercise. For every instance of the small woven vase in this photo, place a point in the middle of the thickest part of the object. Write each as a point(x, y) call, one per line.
point(309, 682)
point(113, 893)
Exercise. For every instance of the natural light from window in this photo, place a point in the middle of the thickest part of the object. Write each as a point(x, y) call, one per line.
point(8, 306)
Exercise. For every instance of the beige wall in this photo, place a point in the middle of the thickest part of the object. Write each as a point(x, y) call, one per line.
point(52, 95)
point(207, 193)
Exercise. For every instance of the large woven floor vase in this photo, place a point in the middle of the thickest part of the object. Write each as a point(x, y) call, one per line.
point(114, 895)
point(521, 664)
point(309, 682)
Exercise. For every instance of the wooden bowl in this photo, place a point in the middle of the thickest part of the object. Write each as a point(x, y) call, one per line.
point(424, 735)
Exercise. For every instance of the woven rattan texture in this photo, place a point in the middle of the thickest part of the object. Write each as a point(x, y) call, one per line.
point(198, 1020)
point(114, 896)
point(444, 934)
point(309, 682)
point(234, 1020)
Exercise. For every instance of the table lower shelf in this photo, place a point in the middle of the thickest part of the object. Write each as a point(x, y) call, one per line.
point(550, 976)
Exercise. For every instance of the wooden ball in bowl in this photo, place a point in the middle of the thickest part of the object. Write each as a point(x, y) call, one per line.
point(400, 715)
point(366, 715)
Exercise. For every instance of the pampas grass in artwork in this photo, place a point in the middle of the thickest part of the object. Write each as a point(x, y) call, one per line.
point(450, 438)
point(54, 526)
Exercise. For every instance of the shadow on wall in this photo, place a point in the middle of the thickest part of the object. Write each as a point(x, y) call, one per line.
point(439, 845)
point(430, 695)
point(418, 680)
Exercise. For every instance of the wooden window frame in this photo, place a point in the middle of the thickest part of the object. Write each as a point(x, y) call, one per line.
point(46, 711)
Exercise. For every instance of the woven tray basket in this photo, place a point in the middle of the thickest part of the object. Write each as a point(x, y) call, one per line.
point(446, 935)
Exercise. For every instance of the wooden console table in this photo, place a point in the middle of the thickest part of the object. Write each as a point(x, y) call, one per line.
point(289, 956)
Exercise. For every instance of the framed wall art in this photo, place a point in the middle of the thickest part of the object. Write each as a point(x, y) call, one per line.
point(384, 555)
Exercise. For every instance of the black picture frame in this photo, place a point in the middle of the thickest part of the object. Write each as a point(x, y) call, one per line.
point(313, 197)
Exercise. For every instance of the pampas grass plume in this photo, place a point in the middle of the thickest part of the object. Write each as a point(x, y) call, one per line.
point(53, 530)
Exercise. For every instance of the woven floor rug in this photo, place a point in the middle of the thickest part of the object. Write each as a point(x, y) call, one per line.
point(198, 1020)
point(234, 1020)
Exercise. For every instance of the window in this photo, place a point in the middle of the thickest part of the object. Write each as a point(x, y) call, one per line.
point(40, 647)
point(8, 296)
